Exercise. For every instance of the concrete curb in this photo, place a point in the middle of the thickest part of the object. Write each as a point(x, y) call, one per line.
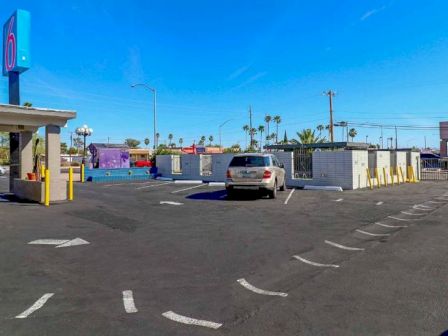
point(188, 181)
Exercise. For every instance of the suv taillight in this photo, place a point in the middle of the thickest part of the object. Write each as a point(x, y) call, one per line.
point(267, 174)
point(228, 174)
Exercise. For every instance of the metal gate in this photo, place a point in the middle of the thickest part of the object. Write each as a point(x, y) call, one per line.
point(303, 163)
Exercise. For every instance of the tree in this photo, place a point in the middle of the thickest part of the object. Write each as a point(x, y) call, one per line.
point(307, 136)
point(267, 120)
point(146, 141)
point(181, 141)
point(202, 141)
point(285, 138)
point(246, 130)
point(27, 104)
point(277, 119)
point(64, 148)
point(170, 139)
point(352, 133)
point(72, 150)
point(210, 139)
point(253, 131)
point(78, 143)
point(233, 149)
point(131, 143)
point(320, 128)
point(261, 130)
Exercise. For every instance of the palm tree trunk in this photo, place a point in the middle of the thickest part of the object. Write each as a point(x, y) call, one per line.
point(268, 128)
point(276, 136)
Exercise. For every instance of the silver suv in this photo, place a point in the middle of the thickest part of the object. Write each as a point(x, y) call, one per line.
point(260, 172)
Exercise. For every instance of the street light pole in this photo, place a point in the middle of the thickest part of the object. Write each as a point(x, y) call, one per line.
point(154, 91)
point(85, 131)
point(220, 126)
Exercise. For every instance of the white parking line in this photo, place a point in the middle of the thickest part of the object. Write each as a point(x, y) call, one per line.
point(48, 241)
point(37, 305)
point(338, 200)
point(128, 302)
point(306, 261)
point(401, 219)
point(435, 202)
point(390, 226)
point(289, 196)
point(170, 203)
point(379, 203)
point(343, 247)
point(373, 234)
point(191, 321)
point(412, 214)
point(189, 188)
point(422, 207)
point(254, 289)
point(154, 185)
point(128, 183)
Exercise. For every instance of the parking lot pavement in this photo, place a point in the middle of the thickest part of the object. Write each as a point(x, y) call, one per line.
point(216, 266)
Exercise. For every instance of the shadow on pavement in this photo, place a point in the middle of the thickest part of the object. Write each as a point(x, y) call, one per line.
point(221, 195)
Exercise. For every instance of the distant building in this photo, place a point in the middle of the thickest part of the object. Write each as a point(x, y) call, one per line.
point(140, 154)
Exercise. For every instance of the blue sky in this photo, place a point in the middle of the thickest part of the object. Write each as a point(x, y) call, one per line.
point(210, 60)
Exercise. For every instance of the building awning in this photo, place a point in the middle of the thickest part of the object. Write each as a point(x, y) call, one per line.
point(15, 118)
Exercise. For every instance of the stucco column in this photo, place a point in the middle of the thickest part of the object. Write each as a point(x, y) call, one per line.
point(53, 151)
point(26, 153)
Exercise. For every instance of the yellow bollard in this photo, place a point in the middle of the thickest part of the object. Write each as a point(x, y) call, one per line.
point(392, 176)
point(82, 173)
point(70, 184)
point(377, 176)
point(369, 179)
point(47, 187)
point(402, 176)
point(42, 171)
point(385, 176)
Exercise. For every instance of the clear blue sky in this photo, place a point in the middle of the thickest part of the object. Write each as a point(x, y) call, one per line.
point(210, 60)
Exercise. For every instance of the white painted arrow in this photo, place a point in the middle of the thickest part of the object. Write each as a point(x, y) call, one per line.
point(59, 242)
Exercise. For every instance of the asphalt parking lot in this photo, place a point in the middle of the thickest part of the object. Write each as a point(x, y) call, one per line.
point(160, 255)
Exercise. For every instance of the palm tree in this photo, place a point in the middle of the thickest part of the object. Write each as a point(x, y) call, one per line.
point(246, 130)
point(272, 136)
point(181, 141)
point(210, 139)
point(253, 131)
point(352, 133)
point(277, 119)
point(320, 128)
point(170, 139)
point(146, 141)
point(267, 120)
point(202, 141)
point(261, 130)
point(157, 139)
point(307, 136)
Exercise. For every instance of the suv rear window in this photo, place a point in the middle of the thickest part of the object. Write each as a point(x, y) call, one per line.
point(250, 161)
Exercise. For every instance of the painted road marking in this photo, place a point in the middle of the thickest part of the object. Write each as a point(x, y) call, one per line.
point(390, 226)
point(412, 214)
point(289, 196)
point(373, 234)
point(128, 302)
point(189, 188)
point(170, 203)
point(379, 203)
point(254, 289)
point(401, 219)
point(129, 183)
point(419, 207)
point(435, 202)
point(74, 242)
point(48, 241)
point(153, 185)
point(306, 261)
point(343, 247)
point(338, 200)
point(37, 305)
point(191, 321)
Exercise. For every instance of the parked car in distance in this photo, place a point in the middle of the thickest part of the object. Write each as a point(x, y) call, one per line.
point(2, 170)
point(143, 163)
point(261, 172)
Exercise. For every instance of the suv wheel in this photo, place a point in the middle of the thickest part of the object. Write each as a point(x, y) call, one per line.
point(283, 187)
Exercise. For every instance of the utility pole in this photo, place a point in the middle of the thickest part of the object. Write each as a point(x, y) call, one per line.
point(330, 95)
point(396, 138)
point(425, 141)
point(250, 128)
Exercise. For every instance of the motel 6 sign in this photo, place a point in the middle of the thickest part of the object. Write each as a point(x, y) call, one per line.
point(16, 42)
